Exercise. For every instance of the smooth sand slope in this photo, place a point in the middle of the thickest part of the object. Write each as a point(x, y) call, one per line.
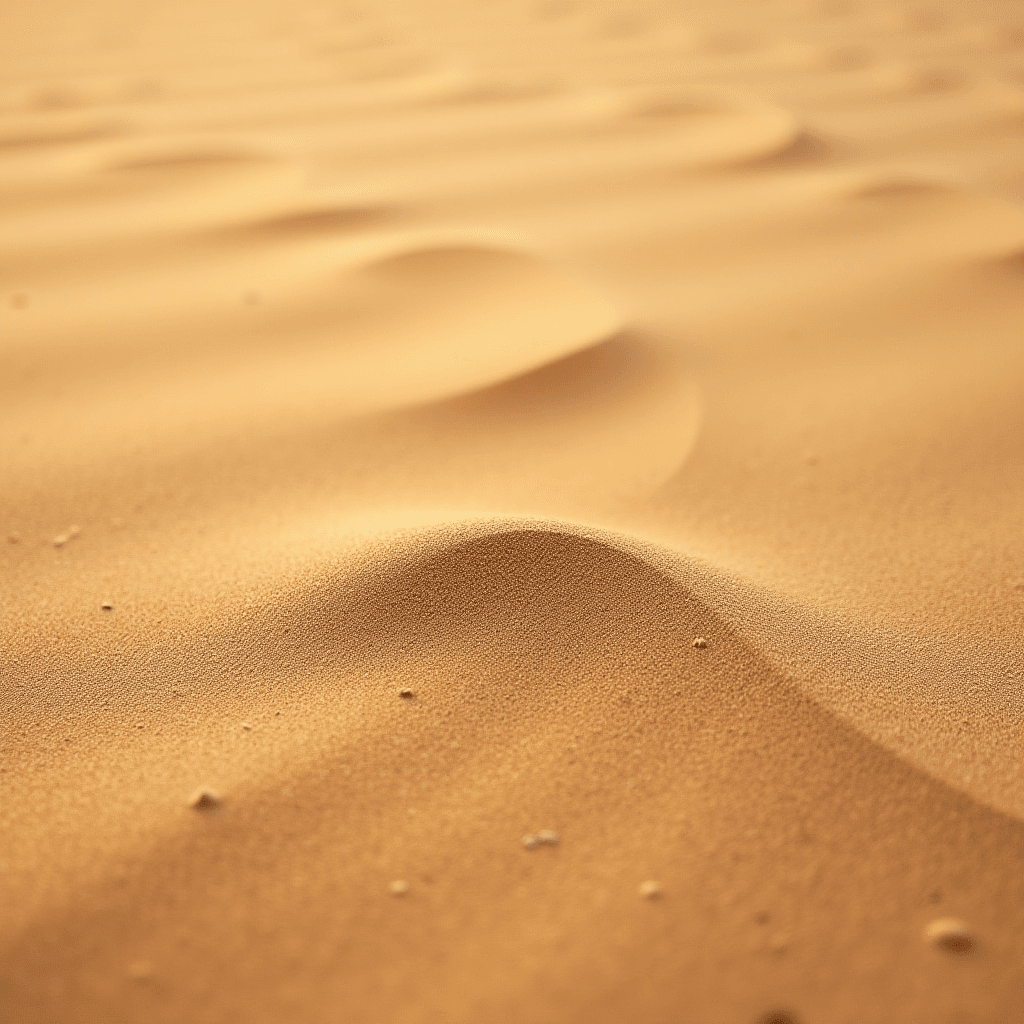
point(512, 512)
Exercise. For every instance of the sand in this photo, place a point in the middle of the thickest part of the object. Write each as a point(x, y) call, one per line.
point(512, 512)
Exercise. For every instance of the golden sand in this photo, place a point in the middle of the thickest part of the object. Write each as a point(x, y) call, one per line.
point(514, 512)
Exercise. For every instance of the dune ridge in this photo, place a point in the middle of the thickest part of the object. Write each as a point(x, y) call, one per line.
point(606, 684)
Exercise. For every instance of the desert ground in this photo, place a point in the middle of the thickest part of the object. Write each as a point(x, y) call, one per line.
point(512, 512)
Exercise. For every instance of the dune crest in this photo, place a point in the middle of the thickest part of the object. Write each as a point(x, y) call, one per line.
point(696, 742)
point(715, 127)
point(497, 311)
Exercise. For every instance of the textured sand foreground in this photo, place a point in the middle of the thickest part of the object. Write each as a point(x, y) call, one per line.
point(512, 512)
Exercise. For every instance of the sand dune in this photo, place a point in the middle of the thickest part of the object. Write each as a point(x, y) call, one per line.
point(513, 513)
point(767, 819)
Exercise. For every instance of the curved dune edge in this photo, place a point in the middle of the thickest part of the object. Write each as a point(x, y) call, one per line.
point(132, 188)
point(936, 217)
point(582, 134)
point(855, 666)
point(490, 355)
point(906, 187)
point(537, 656)
point(715, 126)
point(498, 311)
point(805, 150)
point(850, 666)
point(416, 325)
point(598, 430)
point(601, 428)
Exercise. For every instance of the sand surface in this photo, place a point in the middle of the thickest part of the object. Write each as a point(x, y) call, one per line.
point(427, 426)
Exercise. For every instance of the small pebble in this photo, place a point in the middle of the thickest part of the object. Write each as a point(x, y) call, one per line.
point(950, 935)
point(405, 694)
point(246, 726)
point(107, 606)
point(650, 890)
point(700, 643)
point(62, 538)
point(204, 800)
point(531, 842)
point(778, 1017)
point(399, 887)
point(549, 836)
